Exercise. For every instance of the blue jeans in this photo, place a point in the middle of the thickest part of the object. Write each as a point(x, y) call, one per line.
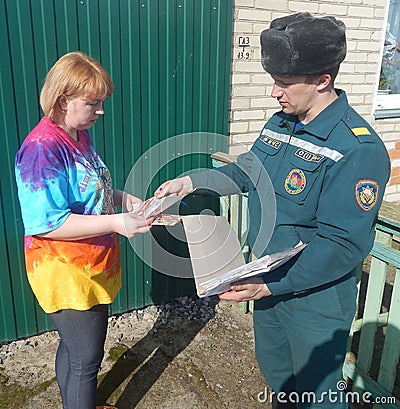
point(79, 355)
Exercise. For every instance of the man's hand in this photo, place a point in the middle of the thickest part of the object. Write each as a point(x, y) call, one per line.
point(128, 201)
point(124, 200)
point(180, 186)
point(253, 288)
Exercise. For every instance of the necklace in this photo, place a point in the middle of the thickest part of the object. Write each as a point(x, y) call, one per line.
point(72, 134)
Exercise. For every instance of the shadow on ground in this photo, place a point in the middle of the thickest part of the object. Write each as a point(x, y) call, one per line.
point(138, 368)
point(187, 362)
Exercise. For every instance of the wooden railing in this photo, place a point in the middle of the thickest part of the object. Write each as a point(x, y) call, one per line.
point(372, 360)
point(234, 208)
point(374, 343)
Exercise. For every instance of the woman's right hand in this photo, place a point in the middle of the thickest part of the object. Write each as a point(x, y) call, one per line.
point(79, 226)
point(180, 186)
point(130, 225)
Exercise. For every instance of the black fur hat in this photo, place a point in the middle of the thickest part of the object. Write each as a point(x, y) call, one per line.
point(301, 44)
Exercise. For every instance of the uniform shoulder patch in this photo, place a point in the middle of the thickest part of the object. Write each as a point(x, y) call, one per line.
point(358, 128)
point(366, 193)
point(360, 131)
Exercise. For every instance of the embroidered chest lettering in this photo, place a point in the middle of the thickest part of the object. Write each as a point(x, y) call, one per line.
point(308, 156)
point(271, 142)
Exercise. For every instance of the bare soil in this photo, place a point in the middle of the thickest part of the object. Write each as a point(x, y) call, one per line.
point(165, 360)
point(188, 356)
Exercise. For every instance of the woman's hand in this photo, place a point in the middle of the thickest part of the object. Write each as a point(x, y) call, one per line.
point(79, 226)
point(130, 225)
point(180, 186)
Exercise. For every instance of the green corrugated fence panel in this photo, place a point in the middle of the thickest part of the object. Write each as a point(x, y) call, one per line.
point(18, 110)
point(170, 64)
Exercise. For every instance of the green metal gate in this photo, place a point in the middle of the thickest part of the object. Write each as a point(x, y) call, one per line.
point(170, 63)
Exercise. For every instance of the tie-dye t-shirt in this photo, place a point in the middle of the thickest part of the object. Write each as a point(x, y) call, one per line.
point(57, 176)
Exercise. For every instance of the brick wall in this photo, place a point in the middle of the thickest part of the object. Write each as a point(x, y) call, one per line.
point(251, 103)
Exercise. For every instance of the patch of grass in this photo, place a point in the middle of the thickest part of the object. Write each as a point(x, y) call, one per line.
point(199, 377)
point(210, 346)
point(116, 352)
point(112, 383)
point(14, 396)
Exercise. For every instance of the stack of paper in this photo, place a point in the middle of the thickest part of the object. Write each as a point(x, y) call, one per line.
point(216, 255)
point(220, 284)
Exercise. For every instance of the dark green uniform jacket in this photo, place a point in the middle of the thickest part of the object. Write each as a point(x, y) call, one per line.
point(328, 177)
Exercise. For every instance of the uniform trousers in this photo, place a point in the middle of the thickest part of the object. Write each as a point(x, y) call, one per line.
point(300, 344)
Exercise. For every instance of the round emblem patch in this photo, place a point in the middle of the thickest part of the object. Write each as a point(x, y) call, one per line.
point(295, 182)
point(366, 192)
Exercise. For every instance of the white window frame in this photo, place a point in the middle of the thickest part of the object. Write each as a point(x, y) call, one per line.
point(385, 105)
